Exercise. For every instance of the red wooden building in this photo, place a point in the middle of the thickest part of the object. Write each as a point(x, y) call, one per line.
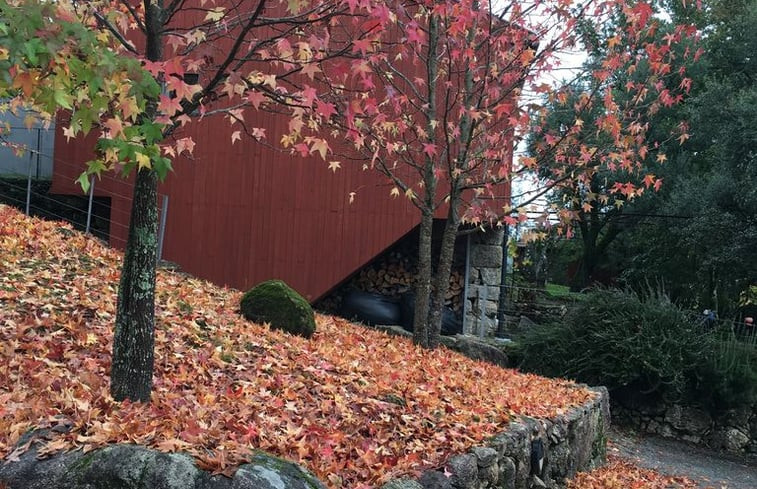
point(242, 213)
point(239, 214)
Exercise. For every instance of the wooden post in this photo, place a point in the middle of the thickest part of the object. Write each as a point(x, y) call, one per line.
point(89, 205)
point(162, 226)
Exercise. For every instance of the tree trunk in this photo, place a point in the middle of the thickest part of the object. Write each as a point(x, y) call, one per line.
point(443, 271)
point(134, 338)
point(540, 266)
point(582, 278)
point(423, 282)
point(589, 233)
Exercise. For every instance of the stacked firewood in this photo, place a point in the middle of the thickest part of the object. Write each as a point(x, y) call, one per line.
point(394, 275)
point(454, 297)
point(391, 275)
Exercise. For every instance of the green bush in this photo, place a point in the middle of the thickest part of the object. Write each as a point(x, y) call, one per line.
point(639, 344)
point(276, 303)
point(729, 375)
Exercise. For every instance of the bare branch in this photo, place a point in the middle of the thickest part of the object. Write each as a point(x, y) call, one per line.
point(103, 22)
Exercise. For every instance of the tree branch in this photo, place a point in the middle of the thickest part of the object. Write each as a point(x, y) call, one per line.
point(103, 22)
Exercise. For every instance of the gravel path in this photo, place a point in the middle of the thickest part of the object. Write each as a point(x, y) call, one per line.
point(707, 467)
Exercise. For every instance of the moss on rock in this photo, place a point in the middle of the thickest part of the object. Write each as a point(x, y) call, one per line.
point(276, 303)
point(125, 466)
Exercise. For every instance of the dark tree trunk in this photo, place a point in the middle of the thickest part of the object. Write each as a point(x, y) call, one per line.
point(595, 246)
point(443, 272)
point(594, 242)
point(582, 278)
point(423, 282)
point(134, 338)
point(540, 267)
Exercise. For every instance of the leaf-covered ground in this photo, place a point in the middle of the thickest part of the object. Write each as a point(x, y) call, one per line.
point(355, 406)
point(620, 474)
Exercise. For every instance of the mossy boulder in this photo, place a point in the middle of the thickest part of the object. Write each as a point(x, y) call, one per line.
point(125, 466)
point(276, 303)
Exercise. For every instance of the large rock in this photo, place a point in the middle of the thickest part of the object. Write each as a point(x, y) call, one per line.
point(486, 256)
point(464, 470)
point(690, 420)
point(730, 439)
point(491, 276)
point(737, 417)
point(135, 467)
point(473, 348)
point(435, 480)
point(276, 303)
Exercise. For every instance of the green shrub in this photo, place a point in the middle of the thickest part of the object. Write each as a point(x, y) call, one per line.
point(276, 303)
point(728, 377)
point(639, 344)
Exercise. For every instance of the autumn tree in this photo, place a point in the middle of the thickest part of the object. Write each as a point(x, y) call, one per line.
point(596, 206)
point(594, 215)
point(701, 247)
point(138, 73)
point(438, 109)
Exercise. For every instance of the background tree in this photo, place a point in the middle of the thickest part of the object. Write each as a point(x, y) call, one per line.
point(704, 253)
point(139, 72)
point(588, 203)
point(598, 206)
point(441, 110)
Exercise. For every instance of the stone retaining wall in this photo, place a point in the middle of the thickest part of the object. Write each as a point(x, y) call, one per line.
point(532, 453)
point(733, 430)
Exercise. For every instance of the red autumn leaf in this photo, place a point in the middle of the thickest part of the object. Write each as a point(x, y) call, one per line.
point(181, 89)
point(325, 109)
point(169, 105)
point(26, 82)
point(255, 98)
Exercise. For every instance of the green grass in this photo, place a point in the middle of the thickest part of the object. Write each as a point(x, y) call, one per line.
point(561, 292)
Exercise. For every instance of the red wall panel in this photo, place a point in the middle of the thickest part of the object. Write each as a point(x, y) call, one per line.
point(242, 213)
point(239, 214)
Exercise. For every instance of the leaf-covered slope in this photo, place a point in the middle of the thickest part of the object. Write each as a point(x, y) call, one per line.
point(354, 405)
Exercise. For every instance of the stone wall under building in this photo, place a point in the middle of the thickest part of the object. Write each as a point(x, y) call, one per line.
point(484, 278)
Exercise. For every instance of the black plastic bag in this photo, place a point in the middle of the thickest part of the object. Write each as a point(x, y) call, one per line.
point(451, 325)
point(369, 308)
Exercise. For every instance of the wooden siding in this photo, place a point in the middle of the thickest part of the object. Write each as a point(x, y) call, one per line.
point(239, 214)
